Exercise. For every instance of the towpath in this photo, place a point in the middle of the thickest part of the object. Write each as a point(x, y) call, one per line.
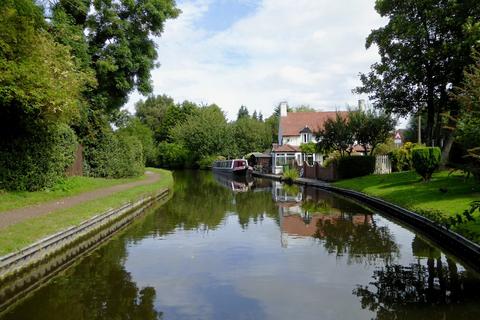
point(14, 216)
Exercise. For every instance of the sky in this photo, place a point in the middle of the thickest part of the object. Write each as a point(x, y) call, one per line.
point(258, 53)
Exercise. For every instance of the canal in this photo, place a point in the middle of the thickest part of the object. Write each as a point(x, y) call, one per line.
point(221, 249)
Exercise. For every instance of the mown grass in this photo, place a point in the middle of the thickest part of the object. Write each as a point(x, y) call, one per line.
point(70, 186)
point(27, 232)
point(446, 194)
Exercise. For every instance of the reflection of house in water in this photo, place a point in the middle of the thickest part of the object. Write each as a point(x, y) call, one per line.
point(282, 194)
point(301, 213)
point(236, 184)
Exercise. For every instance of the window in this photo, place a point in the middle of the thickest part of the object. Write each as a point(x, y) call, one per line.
point(284, 158)
point(305, 137)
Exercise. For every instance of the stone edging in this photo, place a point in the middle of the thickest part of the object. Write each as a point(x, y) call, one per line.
point(466, 250)
point(28, 268)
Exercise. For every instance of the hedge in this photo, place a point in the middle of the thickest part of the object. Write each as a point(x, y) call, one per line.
point(355, 166)
point(114, 155)
point(38, 159)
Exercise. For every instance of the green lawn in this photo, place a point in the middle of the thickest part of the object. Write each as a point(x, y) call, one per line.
point(68, 187)
point(22, 234)
point(407, 190)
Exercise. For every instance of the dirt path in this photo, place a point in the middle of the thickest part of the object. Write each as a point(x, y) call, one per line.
point(14, 216)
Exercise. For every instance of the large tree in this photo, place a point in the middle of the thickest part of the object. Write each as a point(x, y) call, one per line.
point(424, 49)
point(115, 39)
point(468, 133)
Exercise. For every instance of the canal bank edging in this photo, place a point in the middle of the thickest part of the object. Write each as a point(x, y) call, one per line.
point(28, 269)
point(462, 247)
point(13, 262)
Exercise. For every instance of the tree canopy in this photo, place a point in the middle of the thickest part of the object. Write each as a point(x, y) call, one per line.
point(424, 49)
point(114, 39)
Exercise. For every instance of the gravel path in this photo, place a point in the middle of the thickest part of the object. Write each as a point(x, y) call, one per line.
point(14, 216)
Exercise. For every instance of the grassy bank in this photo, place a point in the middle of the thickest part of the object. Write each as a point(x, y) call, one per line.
point(22, 234)
point(444, 194)
point(70, 186)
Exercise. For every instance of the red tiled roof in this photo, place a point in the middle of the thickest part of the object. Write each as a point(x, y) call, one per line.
point(294, 122)
point(286, 148)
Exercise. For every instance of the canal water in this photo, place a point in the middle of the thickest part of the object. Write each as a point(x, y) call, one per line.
point(222, 249)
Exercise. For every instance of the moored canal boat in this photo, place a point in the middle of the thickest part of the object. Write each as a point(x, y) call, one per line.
point(238, 167)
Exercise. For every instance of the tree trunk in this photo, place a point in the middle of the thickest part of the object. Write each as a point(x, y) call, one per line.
point(447, 146)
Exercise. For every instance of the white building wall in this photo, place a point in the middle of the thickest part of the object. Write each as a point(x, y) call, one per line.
point(295, 140)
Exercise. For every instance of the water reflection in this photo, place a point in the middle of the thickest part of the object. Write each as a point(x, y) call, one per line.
point(234, 183)
point(430, 288)
point(98, 288)
point(218, 250)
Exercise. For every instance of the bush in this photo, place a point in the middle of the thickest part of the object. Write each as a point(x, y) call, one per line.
point(289, 175)
point(402, 157)
point(426, 160)
point(36, 160)
point(355, 166)
point(114, 156)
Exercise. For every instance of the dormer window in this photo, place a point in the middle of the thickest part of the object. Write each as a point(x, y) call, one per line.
point(306, 134)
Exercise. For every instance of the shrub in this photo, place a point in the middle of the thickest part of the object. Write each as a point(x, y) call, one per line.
point(289, 175)
point(36, 160)
point(355, 166)
point(114, 156)
point(402, 157)
point(426, 160)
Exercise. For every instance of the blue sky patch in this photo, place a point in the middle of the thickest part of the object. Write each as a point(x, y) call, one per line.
point(222, 14)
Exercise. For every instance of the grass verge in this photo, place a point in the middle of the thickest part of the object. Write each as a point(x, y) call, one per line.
point(445, 194)
point(27, 232)
point(70, 186)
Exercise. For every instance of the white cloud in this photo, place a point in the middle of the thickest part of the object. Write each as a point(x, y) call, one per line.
point(304, 51)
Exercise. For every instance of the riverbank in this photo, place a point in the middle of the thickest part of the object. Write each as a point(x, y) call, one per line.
point(445, 196)
point(463, 241)
point(21, 234)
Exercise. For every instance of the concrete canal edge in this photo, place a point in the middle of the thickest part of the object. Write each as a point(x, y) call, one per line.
point(23, 271)
point(467, 251)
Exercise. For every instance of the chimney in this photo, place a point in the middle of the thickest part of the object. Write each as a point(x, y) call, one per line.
point(283, 109)
point(361, 105)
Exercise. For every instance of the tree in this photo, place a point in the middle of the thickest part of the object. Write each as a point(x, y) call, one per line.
point(242, 113)
point(254, 115)
point(370, 128)
point(336, 135)
point(151, 112)
point(251, 135)
point(175, 114)
point(304, 108)
point(205, 133)
point(424, 49)
point(118, 36)
point(133, 127)
point(468, 128)
point(39, 83)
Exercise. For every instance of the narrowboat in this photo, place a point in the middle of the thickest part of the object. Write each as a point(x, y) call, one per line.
point(236, 166)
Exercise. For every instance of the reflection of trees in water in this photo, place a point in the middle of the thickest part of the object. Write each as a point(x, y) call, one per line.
point(252, 206)
point(98, 288)
point(358, 237)
point(198, 202)
point(409, 292)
